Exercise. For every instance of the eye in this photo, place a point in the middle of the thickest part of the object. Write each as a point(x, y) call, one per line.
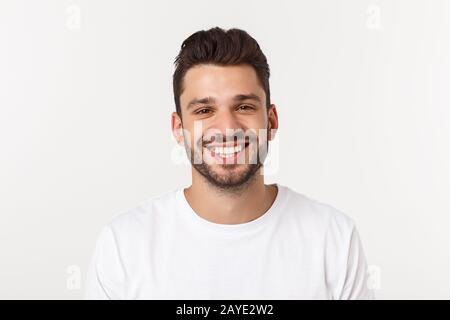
point(245, 107)
point(202, 111)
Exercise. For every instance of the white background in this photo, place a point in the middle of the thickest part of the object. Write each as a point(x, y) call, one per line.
point(362, 89)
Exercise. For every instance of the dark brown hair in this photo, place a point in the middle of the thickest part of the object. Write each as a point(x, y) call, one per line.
point(221, 47)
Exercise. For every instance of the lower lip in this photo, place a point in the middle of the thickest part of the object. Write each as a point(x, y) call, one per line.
point(230, 159)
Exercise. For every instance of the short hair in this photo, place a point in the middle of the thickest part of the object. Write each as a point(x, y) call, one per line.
point(221, 47)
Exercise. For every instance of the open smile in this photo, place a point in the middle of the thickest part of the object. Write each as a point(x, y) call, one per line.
point(227, 151)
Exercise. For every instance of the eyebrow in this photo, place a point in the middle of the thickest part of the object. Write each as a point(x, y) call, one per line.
point(211, 100)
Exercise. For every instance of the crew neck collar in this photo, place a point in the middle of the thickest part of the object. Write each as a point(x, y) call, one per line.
point(187, 210)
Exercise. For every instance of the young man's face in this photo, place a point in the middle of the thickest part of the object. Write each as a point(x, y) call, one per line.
point(224, 112)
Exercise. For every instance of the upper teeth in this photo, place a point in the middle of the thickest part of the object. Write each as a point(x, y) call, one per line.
point(227, 151)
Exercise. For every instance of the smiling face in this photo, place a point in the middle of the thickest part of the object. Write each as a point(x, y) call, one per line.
point(226, 123)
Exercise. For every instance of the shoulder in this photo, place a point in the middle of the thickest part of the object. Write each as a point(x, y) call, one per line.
point(135, 221)
point(317, 215)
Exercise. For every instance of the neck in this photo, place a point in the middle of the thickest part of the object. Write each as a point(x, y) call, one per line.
point(230, 206)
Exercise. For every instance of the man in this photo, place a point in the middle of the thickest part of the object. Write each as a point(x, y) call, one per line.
point(228, 235)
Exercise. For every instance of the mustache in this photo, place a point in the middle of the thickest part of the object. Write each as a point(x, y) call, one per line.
point(206, 143)
point(236, 137)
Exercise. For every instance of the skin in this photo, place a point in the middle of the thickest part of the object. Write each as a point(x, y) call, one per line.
point(236, 191)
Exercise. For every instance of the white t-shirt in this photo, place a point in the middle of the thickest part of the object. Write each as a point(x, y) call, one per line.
point(161, 249)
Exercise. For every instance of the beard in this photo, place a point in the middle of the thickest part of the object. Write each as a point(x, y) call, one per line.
point(229, 177)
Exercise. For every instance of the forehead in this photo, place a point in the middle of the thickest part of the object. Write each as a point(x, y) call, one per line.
point(221, 82)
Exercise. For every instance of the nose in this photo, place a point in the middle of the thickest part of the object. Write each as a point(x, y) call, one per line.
point(223, 121)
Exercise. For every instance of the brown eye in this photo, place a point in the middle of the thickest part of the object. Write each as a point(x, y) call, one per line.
point(245, 107)
point(202, 111)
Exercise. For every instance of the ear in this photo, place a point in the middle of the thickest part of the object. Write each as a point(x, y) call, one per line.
point(177, 128)
point(272, 118)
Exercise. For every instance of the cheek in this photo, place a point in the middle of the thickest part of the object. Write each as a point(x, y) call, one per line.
point(257, 122)
point(188, 140)
point(188, 136)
